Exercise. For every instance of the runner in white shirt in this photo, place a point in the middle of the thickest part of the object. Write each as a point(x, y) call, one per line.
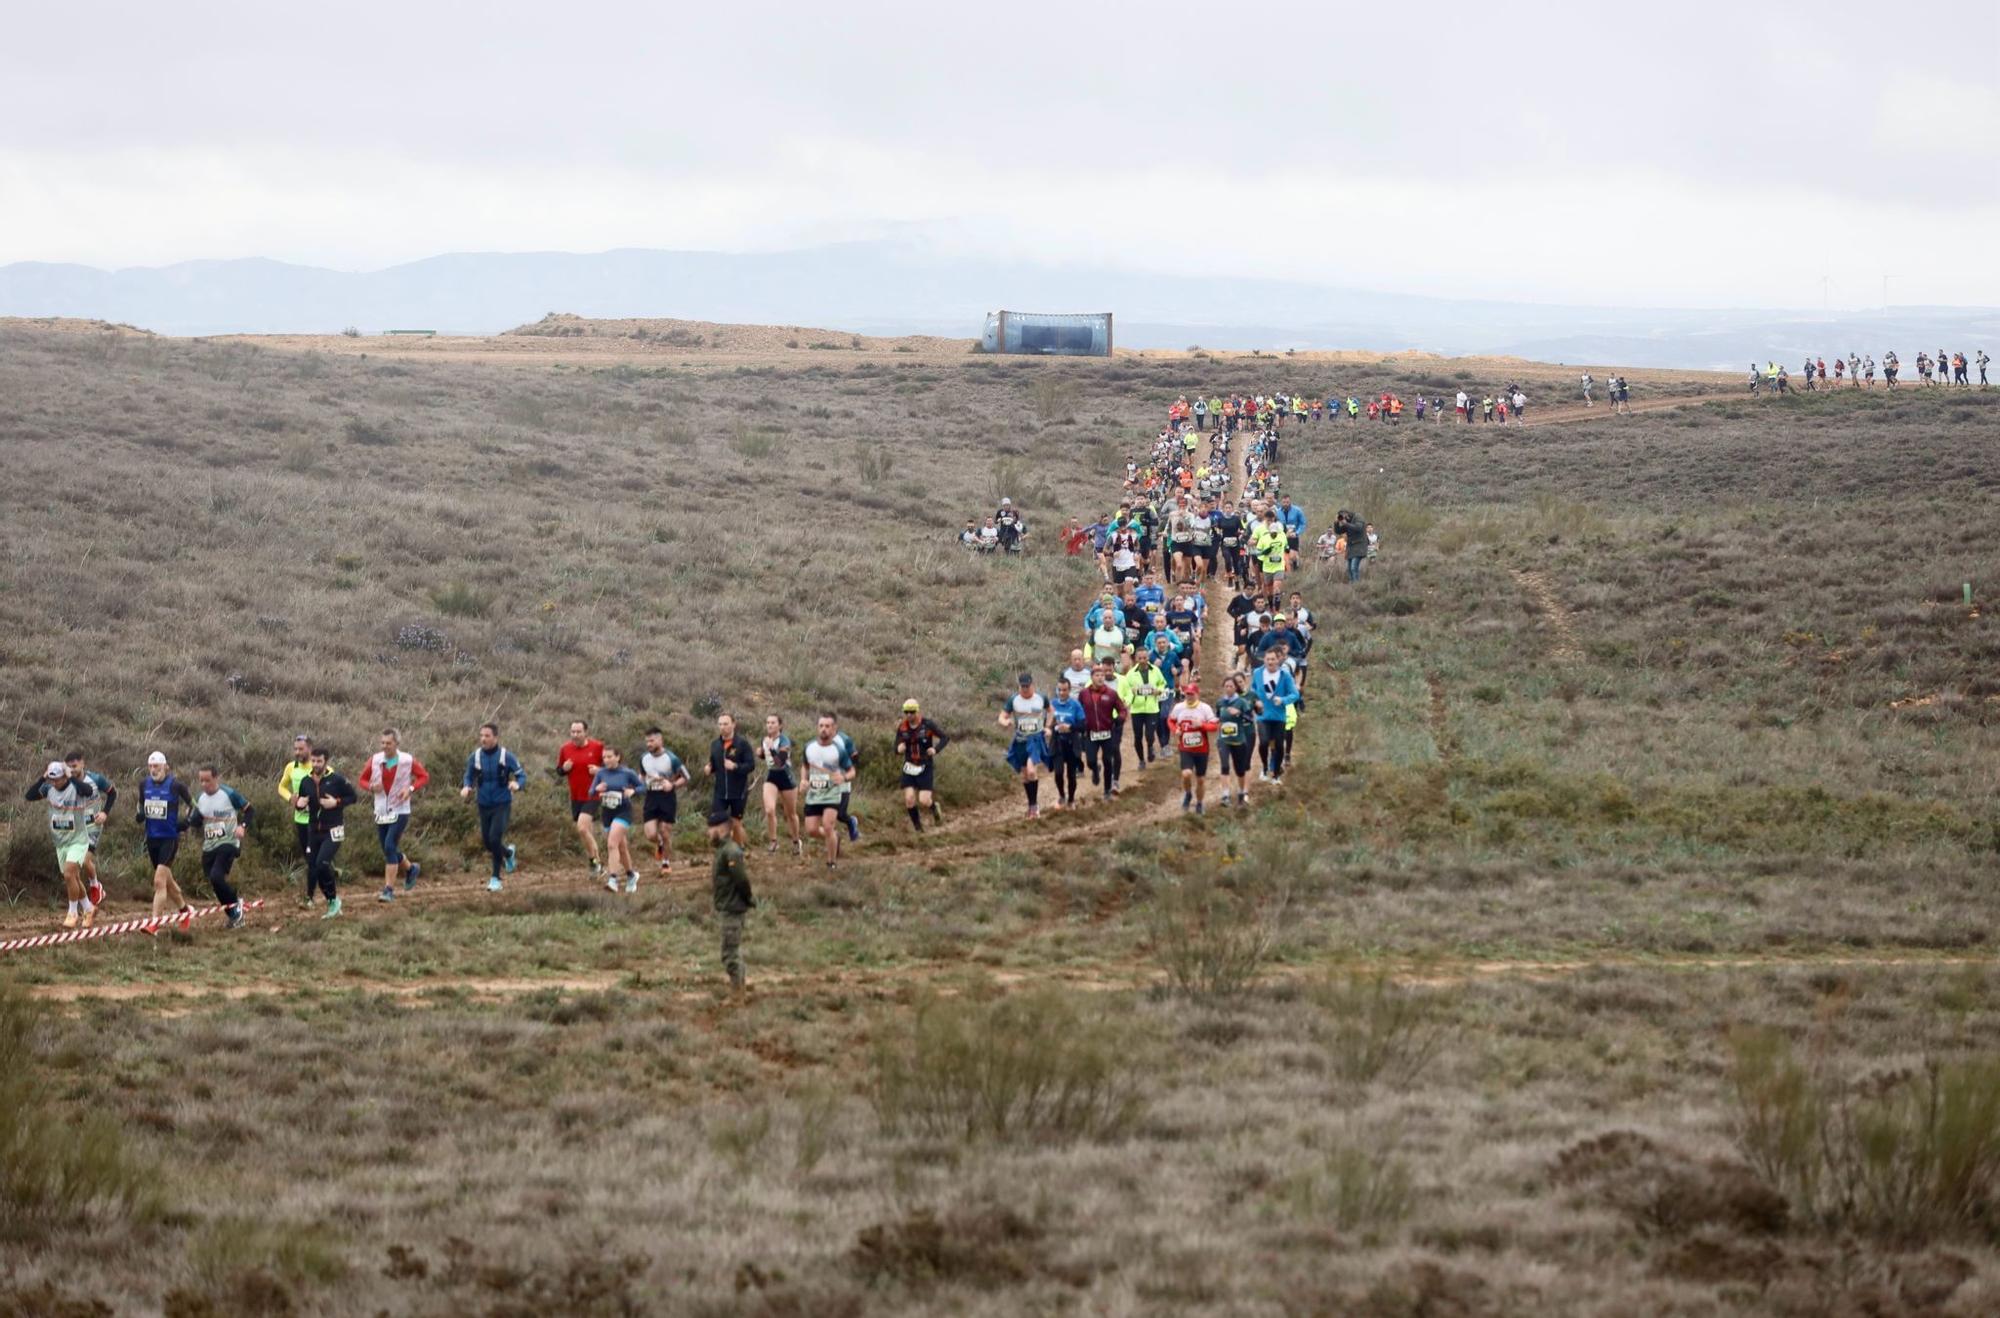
point(665, 775)
point(1026, 715)
point(829, 768)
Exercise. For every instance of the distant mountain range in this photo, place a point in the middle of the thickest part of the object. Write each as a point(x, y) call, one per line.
point(893, 288)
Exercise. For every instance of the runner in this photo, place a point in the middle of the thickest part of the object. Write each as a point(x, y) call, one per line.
point(848, 814)
point(1025, 712)
point(829, 768)
point(665, 776)
point(918, 740)
point(781, 790)
point(324, 795)
point(1066, 720)
point(288, 791)
point(1078, 672)
point(1587, 383)
point(1140, 685)
point(165, 812)
point(731, 887)
point(577, 760)
point(613, 786)
point(1103, 711)
point(492, 776)
point(394, 778)
point(225, 819)
point(1192, 722)
point(97, 815)
point(730, 761)
point(1274, 693)
point(70, 802)
point(1228, 528)
point(1235, 714)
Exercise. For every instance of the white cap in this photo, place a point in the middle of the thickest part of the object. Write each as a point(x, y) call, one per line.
point(155, 758)
point(56, 769)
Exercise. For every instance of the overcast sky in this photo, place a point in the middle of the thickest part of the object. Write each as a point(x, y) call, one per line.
point(1678, 154)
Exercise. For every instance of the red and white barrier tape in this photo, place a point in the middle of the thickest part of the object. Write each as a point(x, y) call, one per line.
point(149, 924)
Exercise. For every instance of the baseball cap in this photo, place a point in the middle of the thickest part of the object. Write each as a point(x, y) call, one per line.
point(155, 758)
point(56, 769)
point(909, 706)
point(1025, 679)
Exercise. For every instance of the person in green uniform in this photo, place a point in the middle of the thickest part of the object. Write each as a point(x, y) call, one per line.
point(731, 882)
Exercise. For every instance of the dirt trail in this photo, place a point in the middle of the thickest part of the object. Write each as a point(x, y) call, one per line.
point(1562, 624)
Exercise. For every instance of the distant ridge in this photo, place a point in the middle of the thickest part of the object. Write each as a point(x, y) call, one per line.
point(901, 289)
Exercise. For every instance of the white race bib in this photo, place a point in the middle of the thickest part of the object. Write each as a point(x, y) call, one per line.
point(1193, 740)
point(338, 833)
point(1101, 736)
point(214, 829)
point(385, 815)
point(1027, 725)
point(656, 784)
point(156, 807)
point(913, 769)
point(819, 782)
point(612, 800)
point(62, 823)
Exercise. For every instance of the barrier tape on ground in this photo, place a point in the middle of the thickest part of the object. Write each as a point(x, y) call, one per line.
point(148, 924)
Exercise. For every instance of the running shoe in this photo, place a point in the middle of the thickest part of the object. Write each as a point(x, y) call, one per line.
point(1197, 808)
point(611, 883)
point(332, 909)
point(596, 870)
point(1034, 812)
point(69, 920)
point(632, 881)
point(937, 813)
point(493, 884)
point(666, 868)
point(90, 917)
point(853, 829)
point(388, 893)
point(95, 892)
point(410, 879)
point(185, 915)
point(306, 905)
point(510, 859)
point(236, 916)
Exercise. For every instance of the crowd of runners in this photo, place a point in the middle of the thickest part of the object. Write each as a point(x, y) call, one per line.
point(1946, 369)
point(1183, 533)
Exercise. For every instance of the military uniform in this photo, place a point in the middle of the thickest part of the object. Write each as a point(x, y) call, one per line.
point(732, 902)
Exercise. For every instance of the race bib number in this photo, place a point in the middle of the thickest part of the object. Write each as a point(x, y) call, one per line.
point(612, 800)
point(338, 833)
point(656, 784)
point(819, 782)
point(1101, 736)
point(1193, 741)
point(1027, 725)
point(215, 829)
point(156, 808)
point(1229, 729)
point(62, 823)
point(1229, 541)
point(385, 815)
point(912, 769)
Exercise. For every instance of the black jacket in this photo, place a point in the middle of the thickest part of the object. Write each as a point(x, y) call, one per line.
point(321, 820)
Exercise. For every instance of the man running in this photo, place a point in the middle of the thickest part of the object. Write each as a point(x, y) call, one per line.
point(1140, 686)
point(918, 740)
point(394, 778)
point(1078, 672)
point(324, 795)
point(1103, 711)
point(1066, 720)
point(1274, 692)
point(665, 775)
point(288, 791)
point(1025, 713)
point(97, 815)
point(613, 786)
point(1192, 723)
point(71, 803)
point(225, 819)
point(829, 768)
point(166, 810)
point(578, 760)
point(492, 776)
point(731, 759)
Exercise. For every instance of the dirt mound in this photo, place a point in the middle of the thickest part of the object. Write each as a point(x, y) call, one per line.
point(712, 336)
point(70, 325)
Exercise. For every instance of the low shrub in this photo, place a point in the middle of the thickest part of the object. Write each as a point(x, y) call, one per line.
point(1210, 939)
point(1374, 1029)
point(1031, 1067)
point(459, 600)
point(1905, 1154)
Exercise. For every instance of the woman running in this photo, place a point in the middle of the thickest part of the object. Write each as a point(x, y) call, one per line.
point(781, 789)
point(614, 787)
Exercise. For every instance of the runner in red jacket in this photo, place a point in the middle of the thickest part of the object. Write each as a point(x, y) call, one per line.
point(1191, 723)
point(1104, 717)
point(579, 758)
